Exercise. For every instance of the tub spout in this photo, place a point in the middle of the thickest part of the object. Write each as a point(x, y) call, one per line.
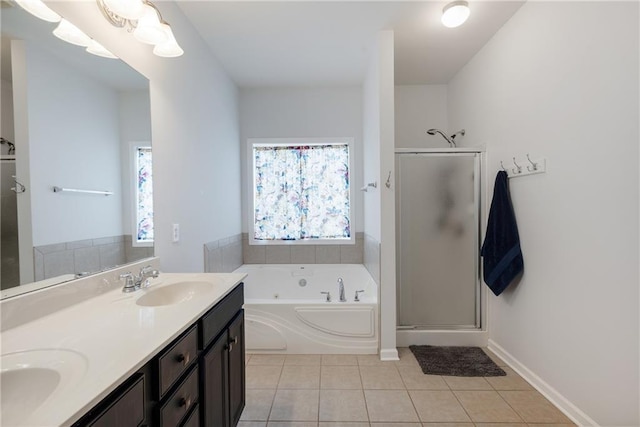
point(343, 298)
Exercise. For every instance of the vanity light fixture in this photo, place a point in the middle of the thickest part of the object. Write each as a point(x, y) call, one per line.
point(65, 30)
point(71, 34)
point(38, 9)
point(455, 13)
point(144, 20)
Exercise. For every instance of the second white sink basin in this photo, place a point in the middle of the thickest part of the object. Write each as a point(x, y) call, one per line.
point(31, 379)
point(173, 293)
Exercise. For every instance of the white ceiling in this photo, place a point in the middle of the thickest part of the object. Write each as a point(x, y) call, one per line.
point(327, 43)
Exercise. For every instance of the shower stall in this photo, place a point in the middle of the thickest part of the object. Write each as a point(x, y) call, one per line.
point(438, 240)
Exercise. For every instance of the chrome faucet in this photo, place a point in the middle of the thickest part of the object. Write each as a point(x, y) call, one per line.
point(133, 283)
point(341, 290)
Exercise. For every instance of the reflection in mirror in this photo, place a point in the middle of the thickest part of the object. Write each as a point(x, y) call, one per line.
point(78, 122)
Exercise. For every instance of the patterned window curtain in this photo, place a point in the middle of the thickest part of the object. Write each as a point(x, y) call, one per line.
point(301, 193)
point(144, 195)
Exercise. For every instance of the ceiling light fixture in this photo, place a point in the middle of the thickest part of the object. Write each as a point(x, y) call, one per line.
point(144, 20)
point(455, 13)
point(97, 49)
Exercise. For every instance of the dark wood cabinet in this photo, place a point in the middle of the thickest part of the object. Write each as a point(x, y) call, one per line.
point(198, 380)
point(222, 364)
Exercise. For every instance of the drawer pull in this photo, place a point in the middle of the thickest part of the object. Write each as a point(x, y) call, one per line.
point(184, 402)
point(183, 358)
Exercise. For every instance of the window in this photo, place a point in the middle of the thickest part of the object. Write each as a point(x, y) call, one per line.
point(143, 196)
point(301, 191)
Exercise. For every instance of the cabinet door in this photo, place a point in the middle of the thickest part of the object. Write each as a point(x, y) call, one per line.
point(215, 384)
point(236, 368)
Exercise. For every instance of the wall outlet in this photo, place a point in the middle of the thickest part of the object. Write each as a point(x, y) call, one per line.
point(175, 233)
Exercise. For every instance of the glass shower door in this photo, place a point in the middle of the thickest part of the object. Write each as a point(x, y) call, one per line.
point(438, 240)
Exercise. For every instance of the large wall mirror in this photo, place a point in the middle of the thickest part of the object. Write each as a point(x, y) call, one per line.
point(74, 121)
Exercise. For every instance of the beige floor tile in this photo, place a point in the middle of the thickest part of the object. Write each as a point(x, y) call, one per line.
point(340, 359)
point(512, 381)
point(414, 379)
point(262, 376)
point(438, 406)
point(467, 383)
point(494, 357)
point(406, 357)
point(550, 425)
point(340, 378)
point(252, 424)
point(396, 425)
point(501, 425)
point(533, 407)
point(371, 360)
point(487, 407)
point(381, 378)
point(247, 357)
point(292, 424)
point(258, 404)
point(295, 405)
point(267, 359)
point(342, 405)
point(447, 425)
point(294, 376)
point(390, 406)
point(343, 424)
point(303, 359)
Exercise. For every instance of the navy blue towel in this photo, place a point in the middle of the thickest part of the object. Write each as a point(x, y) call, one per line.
point(502, 257)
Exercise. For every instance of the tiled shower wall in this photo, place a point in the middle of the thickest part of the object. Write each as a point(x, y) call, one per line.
point(89, 255)
point(225, 255)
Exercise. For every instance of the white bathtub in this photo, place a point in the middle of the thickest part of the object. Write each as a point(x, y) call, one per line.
point(285, 311)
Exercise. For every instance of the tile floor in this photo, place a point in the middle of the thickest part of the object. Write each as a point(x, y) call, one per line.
point(362, 391)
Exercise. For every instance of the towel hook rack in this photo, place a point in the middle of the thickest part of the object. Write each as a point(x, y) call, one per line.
point(519, 168)
point(533, 167)
point(502, 166)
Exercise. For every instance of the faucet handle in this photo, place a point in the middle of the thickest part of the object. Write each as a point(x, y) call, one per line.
point(357, 297)
point(129, 284)
point(328, 295)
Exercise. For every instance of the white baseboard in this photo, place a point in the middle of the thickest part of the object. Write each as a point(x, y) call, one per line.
point(561, 402)
point(389, 354)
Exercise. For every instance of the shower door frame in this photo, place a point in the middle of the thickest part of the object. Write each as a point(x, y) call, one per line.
point(478, 202)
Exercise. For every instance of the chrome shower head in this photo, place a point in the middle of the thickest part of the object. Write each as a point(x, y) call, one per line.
point(449, 140)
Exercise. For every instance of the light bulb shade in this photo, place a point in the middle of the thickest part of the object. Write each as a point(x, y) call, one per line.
point(128, 9)
point(170, 48)
point(39, 9)
point(71, 34)
point(149, 30)
point(455, 14)
point(97, 49)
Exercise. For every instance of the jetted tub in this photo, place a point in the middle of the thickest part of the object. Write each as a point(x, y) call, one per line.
point(285, 311)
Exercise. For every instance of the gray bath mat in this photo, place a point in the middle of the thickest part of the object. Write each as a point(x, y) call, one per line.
point(455, 361)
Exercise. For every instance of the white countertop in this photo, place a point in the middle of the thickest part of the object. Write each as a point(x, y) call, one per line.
point(113, 337)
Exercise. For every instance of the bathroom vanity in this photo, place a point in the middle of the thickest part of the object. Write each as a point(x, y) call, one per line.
point(168, 355)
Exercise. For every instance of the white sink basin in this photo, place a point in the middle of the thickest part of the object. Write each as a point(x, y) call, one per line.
point(173, 293)
point(29, 380)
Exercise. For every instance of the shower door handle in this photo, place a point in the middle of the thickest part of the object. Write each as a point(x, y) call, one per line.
point(19, 188)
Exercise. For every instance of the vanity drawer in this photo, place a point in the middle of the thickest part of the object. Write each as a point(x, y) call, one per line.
point(126, 409)
point(193, 420)
point(175, 360)
point(218, 317)
point(181, 401)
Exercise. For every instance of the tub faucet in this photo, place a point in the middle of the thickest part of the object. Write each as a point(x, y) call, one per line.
point(341, 290)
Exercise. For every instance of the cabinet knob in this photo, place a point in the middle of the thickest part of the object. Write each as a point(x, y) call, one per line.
point(183, 358)
point(233, 341)
point(184, 402)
